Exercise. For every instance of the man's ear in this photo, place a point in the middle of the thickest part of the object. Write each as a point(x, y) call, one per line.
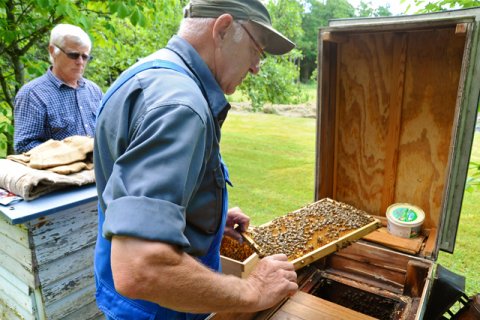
point(51, 49)
point(221, 27)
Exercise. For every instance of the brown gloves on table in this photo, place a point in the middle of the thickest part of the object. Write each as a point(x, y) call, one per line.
point(51, 166)
point(73, 154)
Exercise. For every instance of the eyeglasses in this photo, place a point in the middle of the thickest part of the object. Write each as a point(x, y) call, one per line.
point(257, 46)
point(76, 55)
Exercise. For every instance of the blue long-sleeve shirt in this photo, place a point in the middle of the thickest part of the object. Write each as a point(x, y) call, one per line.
point(159, 172)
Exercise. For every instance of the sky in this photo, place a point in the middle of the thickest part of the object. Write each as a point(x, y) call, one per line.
point(396, 7)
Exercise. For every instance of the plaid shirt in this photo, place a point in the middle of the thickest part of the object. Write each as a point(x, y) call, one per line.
point(46, 108)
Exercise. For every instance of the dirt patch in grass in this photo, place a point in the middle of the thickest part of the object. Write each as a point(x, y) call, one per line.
point(308, 110)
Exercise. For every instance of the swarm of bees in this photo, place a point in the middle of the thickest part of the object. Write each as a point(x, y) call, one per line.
point(308, 228)
point(232, 249)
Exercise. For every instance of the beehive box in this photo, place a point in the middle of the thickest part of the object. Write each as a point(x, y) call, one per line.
point(397, 105)
point(237, 259)
point(46, 257)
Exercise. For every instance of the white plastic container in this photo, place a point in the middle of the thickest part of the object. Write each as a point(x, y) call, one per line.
point(405, 220)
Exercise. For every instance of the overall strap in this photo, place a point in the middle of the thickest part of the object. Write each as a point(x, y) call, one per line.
point(154, 64)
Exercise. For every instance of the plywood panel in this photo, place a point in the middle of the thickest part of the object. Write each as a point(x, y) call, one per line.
point(282, 315)
point(395, 109)
point(303, 306)
point(364, 84)
point(383, 237)
point(432, 75)
point(326, 122)
point(394, 119)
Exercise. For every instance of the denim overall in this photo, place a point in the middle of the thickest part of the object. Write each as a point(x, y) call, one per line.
point(116, 306)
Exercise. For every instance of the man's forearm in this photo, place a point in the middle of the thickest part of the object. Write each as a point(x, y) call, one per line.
point(159, 273)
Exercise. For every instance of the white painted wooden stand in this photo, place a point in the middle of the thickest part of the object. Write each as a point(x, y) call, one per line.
point(46, 257)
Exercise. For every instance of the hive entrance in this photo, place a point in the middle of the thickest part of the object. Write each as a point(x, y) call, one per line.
point(361, 301)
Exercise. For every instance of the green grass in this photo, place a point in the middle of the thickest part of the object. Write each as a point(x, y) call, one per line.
point(271, 160)
point(465, 259)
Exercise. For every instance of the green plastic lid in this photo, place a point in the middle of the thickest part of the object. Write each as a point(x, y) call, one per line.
point(405, 213)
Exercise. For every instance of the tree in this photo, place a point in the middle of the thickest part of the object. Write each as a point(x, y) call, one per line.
point(119, 43)
point(316, 15)
point(365, 9)
point(24, 31)
point(277, 80)
point(442, 5)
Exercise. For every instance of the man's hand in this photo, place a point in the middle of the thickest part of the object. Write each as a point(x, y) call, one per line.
point(273, 279)
point(236, 218)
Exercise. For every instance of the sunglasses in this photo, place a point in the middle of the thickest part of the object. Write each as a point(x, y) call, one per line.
point(257, 46)
point(76, 55)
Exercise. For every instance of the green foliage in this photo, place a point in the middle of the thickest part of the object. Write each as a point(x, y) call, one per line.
point(316, 15)
point(276, 82)
point(117, 28)
point(277, 79)
point(6, 129)
point(119, 43)
point(473, 181)
point(433, 6)
point(314, 75)
point(287, 17)
point(365, 9)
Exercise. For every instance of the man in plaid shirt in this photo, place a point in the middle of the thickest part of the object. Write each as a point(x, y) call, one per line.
point(61, 103)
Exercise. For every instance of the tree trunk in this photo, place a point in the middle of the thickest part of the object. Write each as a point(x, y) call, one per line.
point(19, 70)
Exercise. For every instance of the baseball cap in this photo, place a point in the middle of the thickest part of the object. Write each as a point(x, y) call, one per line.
point(252, 10)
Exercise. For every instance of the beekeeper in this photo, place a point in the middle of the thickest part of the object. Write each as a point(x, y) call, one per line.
point(161, 180)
